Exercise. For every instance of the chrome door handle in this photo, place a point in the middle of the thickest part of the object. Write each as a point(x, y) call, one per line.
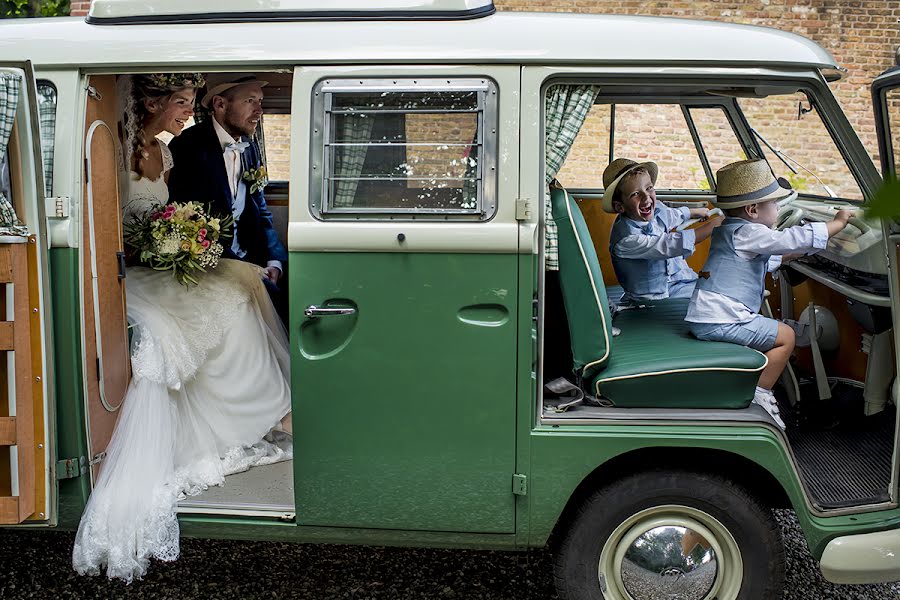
point(312, 311)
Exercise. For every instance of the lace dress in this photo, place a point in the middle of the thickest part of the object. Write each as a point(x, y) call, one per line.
point(210, 380)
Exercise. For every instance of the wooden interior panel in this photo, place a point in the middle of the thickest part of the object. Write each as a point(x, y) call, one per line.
point(24, 380)
point(9, 509)
point(16, 177)
point(110, 299)
point(599, 223)
point(7, 431)
point(848, 361)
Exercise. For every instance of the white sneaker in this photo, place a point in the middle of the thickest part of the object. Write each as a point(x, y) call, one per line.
point(766, 399)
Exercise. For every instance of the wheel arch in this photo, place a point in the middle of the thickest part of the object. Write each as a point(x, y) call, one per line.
point(743, 471)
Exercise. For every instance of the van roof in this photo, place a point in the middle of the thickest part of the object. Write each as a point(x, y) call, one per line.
point(212, 11)
point(505, 37)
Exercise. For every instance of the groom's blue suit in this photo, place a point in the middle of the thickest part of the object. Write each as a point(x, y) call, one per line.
point(199, 176)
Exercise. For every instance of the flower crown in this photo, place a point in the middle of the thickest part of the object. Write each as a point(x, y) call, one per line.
point(176, 80)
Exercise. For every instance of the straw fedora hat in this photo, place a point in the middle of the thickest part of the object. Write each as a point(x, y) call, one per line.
point(748, 182)
point(615, 172)
point(217, 83)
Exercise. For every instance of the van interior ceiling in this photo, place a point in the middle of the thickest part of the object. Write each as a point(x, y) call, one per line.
point(264, 490)
point(838, 393)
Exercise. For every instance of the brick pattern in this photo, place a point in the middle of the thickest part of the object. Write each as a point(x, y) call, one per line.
point(79, 9)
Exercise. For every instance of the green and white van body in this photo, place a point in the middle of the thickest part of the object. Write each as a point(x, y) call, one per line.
point(419, 418)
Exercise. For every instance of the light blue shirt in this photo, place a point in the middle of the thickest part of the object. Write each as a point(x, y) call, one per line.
point(654, 240)
point(750, 241)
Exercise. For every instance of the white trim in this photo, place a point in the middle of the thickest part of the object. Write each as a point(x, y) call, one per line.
point(691, 370)
point(593, 285)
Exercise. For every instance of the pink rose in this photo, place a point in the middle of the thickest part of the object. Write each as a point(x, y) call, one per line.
point(205, 243)
point(203, 232)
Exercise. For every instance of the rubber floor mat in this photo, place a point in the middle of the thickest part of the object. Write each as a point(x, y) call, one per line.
point(847, 463)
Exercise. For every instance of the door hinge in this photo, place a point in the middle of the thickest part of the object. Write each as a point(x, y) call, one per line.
point(520, 485)
point(93, 93)
point(57, 207)
point(69, 468)
point(98, 459)
point(523, 209)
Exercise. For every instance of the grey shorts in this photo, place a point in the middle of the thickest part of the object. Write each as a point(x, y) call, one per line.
point(759, 333)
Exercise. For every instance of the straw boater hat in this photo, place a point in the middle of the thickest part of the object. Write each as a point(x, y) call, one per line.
point(217, 83)
point(616, 171)
point(748, 182)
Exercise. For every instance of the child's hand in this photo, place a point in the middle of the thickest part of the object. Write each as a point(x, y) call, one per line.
point(839, 221)
point(699, 213)
point(844, 215)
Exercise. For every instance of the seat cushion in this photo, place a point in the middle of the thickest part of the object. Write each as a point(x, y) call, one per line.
point(657, 362)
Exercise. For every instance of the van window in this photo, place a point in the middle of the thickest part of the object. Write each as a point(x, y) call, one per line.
point(893, 115)
point(643, 132)
point(400, 147)
point(717, 136)
point(277, 134)
point(792, 126)
point(46, 96)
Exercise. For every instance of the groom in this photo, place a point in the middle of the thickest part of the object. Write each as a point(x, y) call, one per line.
point(217, 162)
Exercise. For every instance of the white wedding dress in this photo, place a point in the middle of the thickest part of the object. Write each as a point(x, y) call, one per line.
point(210, 380)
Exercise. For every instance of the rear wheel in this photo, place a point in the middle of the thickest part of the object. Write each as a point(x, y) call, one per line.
point(671, 534)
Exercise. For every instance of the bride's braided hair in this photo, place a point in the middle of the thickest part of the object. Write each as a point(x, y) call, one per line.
point(155, 86)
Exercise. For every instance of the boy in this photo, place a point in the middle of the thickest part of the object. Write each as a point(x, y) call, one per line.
point(725, 306)
point(647, 256)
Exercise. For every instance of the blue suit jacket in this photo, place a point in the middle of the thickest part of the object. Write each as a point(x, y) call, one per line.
point(199, 175)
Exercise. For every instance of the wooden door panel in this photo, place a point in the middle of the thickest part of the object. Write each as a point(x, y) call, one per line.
point(107, 358)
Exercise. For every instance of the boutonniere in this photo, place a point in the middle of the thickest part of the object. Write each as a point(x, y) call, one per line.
point(257, 178)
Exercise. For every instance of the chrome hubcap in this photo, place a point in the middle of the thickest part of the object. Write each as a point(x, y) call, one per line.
point(670, 563)
point(670, 552)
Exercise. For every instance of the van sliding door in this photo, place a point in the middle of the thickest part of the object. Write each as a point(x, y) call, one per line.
point(403, 283)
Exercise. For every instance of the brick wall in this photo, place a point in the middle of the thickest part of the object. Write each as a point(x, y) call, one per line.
point(79, 9)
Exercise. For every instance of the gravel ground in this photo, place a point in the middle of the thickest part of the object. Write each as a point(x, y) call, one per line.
point(36, 565)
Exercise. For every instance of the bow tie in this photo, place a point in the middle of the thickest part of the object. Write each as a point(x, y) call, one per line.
point(238, 147)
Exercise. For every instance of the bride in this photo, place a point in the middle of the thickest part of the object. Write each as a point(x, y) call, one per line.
point(210, 388)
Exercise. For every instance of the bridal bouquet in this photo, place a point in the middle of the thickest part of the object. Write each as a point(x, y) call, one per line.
point(181, 238)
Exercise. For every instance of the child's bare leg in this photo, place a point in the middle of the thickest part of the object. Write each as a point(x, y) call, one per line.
point(778, 356)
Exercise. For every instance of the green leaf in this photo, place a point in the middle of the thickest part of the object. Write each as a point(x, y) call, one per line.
point(886, 202)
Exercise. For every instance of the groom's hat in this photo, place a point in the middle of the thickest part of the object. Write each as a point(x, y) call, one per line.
point(216, 83)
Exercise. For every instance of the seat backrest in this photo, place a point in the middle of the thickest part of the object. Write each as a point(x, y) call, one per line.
point(581, 280)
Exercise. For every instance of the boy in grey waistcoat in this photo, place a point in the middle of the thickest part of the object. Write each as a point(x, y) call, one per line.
point(725, 307)
point(648, 257)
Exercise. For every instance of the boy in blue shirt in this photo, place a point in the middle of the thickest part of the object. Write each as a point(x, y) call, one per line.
point(648, 257)
point(725, 306)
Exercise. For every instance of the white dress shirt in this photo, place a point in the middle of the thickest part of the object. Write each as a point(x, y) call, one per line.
point(750, 241)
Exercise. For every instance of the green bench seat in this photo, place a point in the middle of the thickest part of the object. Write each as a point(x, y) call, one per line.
point(654, 362)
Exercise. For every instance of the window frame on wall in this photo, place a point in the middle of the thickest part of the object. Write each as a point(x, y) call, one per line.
point(484, 205)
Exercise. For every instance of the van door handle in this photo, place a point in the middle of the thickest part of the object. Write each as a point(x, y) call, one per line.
point(313, 312)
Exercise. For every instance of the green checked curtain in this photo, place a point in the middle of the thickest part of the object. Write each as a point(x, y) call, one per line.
point(47, 117)
point(349, 160)
point(10, 85)
point(566, 107)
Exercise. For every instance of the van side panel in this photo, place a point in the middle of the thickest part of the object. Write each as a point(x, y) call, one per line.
point(582, 449)
point(405, 412)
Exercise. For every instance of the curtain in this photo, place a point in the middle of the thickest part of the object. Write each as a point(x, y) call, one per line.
point(10, 84)
point(47, 117)
point(566, 108)
point(349, 160)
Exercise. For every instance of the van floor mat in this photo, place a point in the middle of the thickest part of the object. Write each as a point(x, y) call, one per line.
point(849, 463)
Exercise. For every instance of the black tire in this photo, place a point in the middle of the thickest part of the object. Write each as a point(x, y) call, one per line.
point(751, 525)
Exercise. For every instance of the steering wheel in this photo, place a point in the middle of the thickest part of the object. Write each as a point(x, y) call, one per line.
point(788, 217)
point(713, 213)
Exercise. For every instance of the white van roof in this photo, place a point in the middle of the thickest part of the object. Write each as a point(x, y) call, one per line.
point(505, 37)
point(217, 11)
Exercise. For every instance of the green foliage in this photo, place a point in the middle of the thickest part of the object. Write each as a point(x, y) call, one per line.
point(886, 203)
point(17, 9)
point(798, 182)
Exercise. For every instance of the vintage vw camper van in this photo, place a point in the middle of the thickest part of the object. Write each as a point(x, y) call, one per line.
point(437, 282)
